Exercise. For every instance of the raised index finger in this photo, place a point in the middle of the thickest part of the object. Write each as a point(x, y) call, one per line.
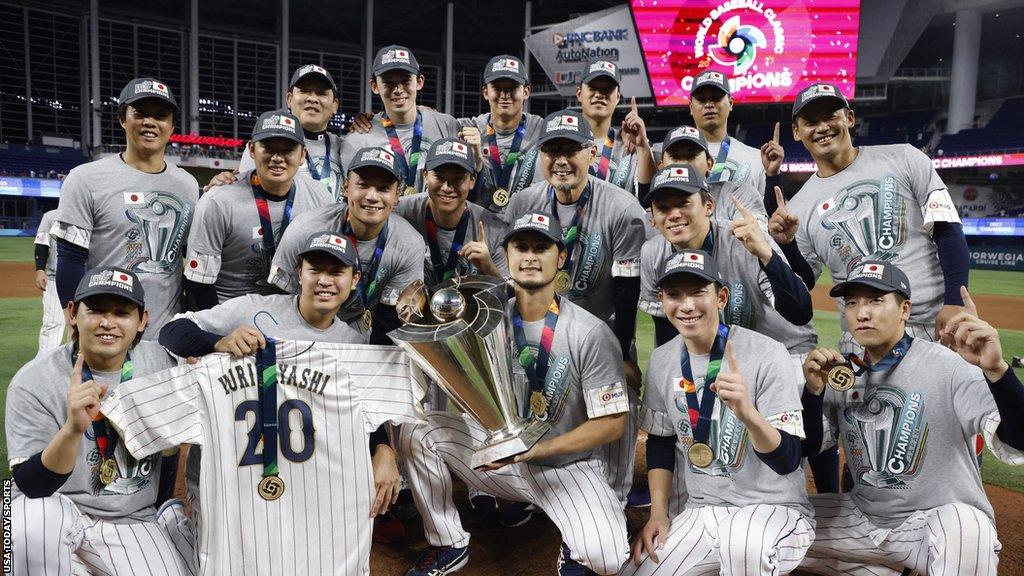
point(632, 104)
point(969, 304)
point(76, 373)
point(775, 137)
point(481, 235)
point(780, 199)
point(743, 209)
point(730, 357)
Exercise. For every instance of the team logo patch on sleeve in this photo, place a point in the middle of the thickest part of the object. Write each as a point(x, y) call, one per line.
point(609, 399)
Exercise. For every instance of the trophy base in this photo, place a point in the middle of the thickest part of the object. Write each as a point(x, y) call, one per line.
point(496, 451)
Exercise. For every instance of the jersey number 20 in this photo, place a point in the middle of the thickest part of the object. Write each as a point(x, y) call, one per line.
point(284, 431)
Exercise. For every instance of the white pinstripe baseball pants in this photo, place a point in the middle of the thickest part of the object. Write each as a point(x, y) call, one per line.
point(51, 331)
point(757, 539)
point(945, 541)
point(51, 536)
point(576, 497)
point(620, 455)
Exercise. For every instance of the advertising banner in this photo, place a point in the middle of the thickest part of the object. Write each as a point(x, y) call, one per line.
point(769, 49)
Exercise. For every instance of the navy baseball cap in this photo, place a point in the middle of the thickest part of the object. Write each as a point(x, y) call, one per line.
point(599, 68)
point(677, 178)
point(878, 274)
point(693, 262)
point(315, 71)
point(378, 158)
point(111, 281)
point(506, 66)
point(818, 92)
point(451, 151)
point(141, 88)
point(541, 223)
point(685, 134)
point(278, 124)
point(568, 124)
point(711, 78)
point(327, 242)
point(395, 57)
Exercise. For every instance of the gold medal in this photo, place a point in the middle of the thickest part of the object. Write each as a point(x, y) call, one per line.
point(367, 319)
point(700, 455)
point(562, 281)
point(270, 487)
point(841, 377)
point(108, 471)
point(409, 190)
point(538, 403)
point(500, 197)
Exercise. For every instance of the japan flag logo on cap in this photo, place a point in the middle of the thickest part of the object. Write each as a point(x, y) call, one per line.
point(337, 241)
point(314, 68)
point(693, 258)
point(288, 122)
point(460, 148)
point(714, 77)
point(402, 55)
point(681, 173)
point(686, 131)
point(160, 88)
point(540, 219)
point(874, 270)
point(507, 64)
point(603, 65)
point(121, 278)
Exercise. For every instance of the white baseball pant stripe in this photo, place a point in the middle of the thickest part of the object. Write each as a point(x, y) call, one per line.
point(576, 497)
point(765, 539)
point(51, 536)
point(945, 541)
point(51, 332)
point(620, 455)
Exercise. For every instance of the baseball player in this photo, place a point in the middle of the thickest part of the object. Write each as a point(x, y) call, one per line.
point(461, 237)
point(81, 502)
point(403, 127)
point(287, 482)
point(390, 251)
point(908, 414)
point(710, 105)
point(765, 294)
point(722, 411)
point(569, 375)
point(237, 227)
point(615, 161)
point(51, 332)
point(312, 97)
point(508, 130)
point(131, 209)
point(604, 231)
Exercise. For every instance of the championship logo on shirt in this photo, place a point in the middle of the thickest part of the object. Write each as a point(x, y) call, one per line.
point(161, 222)
point(728, 435)
point(589, 263)
point(132, 476)
point(886, 437)
point(868, 219)
point(556, 388)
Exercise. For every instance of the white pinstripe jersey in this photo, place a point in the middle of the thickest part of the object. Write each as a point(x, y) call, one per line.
point(330, 398)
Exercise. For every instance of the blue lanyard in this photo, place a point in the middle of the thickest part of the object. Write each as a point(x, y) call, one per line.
point(327, 160)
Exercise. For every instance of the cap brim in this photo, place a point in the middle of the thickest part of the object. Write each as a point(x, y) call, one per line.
point(404, 67)
point(578, 138)
point(170, 102)
point(595, 75)
point(710, 85)
point(107, 291)
point(508, 235)
point(841, 288)
point(434, 163)
point(506, 75)
point(840, 103)
point(267, 136)
point(648, 198)
point(329, 81)
point(357, 167)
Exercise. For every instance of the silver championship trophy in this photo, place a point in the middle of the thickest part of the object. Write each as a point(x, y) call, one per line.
point(876, 421)
point(458, 333)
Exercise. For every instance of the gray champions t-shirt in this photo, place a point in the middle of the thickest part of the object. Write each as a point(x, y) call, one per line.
point(401, 263)
point(316, 155)
point(882, 206)
point(584, 379)
point(742, 165)
point(225, 245)
point(612, 233)
point(736, 477)
point(43, 238)
point(134, 220)
point(276, 315)
point(414, 210)
point(37, 409)
point(751, 298)
point(435, 127)
point(534, 127)
point(908, 433)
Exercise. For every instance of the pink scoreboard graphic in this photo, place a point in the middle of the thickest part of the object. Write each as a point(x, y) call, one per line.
point(768, 49)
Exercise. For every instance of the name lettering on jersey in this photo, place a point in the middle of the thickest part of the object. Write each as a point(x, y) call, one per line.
point(243, 376)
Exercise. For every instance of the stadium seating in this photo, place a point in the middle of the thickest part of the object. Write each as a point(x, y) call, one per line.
point(1002, 133)
point(38, 161)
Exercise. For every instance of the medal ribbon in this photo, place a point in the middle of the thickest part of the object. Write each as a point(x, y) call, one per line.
point(445, 269)
point(503, 171)
point(367, 281)
point(106, 439)
point(606, 156)
point(263, 210)
point(700, 413)
point(408, 164)
point(266, 367)
point(571, 235)
point(898, 352)
point(536, 368)
point(716, 170)
point(327, 160)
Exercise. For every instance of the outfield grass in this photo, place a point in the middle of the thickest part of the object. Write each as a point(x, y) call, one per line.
point(16, 249)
